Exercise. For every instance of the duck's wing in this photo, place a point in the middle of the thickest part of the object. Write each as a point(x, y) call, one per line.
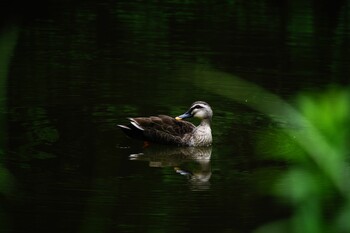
point(160, 129)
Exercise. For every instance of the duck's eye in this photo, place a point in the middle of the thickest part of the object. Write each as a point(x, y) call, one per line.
point(195, 107)
point(198, 106)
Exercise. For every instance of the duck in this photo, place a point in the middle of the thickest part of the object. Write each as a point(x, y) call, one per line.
point(164, 129)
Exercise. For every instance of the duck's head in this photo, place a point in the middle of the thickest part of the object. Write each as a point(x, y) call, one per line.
point(198, 109)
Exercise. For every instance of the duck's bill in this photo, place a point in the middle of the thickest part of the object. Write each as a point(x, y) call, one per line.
point(183, 116)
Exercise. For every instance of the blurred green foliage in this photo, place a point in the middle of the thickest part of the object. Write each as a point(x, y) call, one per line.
point(329, 113)
point(8, 39)
point(313, 141)
point(316, 185)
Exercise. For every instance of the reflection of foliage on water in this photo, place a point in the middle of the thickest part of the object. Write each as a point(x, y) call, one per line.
point(38, 132)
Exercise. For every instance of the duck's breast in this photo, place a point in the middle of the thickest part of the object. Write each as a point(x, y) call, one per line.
point(202, 136)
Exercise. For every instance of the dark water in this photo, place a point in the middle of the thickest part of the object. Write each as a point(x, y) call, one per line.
point(78, 70)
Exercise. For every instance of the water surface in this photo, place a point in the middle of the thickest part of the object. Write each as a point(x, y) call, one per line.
point(80, 69)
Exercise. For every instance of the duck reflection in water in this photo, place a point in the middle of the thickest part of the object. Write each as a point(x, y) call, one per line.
point(192, 162)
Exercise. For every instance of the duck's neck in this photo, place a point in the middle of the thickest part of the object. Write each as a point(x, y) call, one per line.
point(205, 123)
point(202, 135)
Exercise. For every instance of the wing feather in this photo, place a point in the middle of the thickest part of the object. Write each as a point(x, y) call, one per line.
point(161, 129)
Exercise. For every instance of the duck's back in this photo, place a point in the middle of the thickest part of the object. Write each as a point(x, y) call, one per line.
point(159, 129)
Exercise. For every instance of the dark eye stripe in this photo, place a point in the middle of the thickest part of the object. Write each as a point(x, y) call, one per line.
point(197, 106)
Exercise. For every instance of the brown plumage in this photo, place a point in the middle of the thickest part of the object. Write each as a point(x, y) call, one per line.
point(164, 129)
point(160, 129)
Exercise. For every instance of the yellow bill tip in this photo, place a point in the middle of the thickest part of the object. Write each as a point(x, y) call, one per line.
point(178, 118)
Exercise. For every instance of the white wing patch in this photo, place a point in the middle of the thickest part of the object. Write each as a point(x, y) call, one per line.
point(134, 123)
